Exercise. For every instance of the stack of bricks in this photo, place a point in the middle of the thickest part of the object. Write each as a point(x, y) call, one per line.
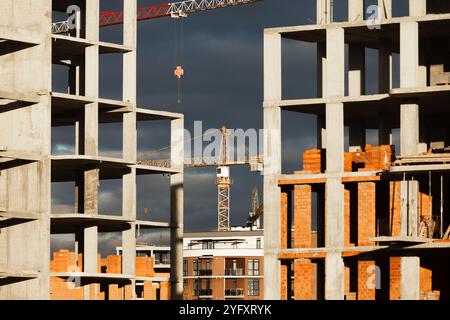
point(302, 216)
point(374, 158)
point(145, 267)
point(313, 160)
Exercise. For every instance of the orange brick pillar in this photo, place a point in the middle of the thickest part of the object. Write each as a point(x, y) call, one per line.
point(283, 280)
point(346, 217)
point(284, 219)
point(302, 279)
point(394, 278)
point(302, 216)
point(128, 292)
point(366, 280)
point(366, 213)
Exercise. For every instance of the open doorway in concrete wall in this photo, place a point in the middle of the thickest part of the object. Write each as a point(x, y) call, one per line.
point(299, 63)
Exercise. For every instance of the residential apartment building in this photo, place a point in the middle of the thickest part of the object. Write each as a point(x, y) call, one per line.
point(223, 265)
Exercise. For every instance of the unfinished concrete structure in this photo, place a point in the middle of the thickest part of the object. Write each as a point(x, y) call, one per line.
point(29, 111)
point(382, 219)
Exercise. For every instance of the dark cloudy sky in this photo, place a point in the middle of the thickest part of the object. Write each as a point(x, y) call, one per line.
point(222, 55)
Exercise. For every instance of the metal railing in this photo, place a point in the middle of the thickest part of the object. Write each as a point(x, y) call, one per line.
point(234, 272)
point(237, 292)
point(205, 272)
point(203, 292)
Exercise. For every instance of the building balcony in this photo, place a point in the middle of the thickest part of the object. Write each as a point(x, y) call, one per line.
point(204, 272)
point(234, 272)
point(234, 293)
point(204, 293)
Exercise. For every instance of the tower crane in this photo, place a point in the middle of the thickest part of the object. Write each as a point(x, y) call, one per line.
point(257, 212)
point(223, 177)
point(176, 10)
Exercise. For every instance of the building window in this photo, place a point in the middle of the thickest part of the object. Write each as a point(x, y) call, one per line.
point(185, 268)
point(196, 267)
point(258, 243)
point(208, 264)
point(196, 288)
point(253, 267)
point(253, 287)
point(208, 245)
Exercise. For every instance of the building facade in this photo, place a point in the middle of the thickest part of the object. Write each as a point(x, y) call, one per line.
point(223, 265)
point(382, 210)
point(31, 110)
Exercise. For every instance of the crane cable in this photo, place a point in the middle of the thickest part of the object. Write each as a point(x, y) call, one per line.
point(178, 72)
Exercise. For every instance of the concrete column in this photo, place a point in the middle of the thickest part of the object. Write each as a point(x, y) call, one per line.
point(410, 278)
point(129, 80)
point(90, 250)
point(409, 54)
point(324, 14)
point(176, 209)
point(355, 10)
point(335, 80)
point(272, 165)
point(357, 133)
point(385, 65)
point(409, 210)
point(417, 8)
point(357, 70)
point(409, 129)
point(385, 9)
point(334, 238)
point(335, 137)
point(334, 277)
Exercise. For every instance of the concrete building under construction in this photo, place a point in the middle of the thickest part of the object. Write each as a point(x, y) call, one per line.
point(30, 110)
point(381, 211)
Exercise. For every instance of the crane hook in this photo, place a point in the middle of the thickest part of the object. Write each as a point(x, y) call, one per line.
point(179, 73)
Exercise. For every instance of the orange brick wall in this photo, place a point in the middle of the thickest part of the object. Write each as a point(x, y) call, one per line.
point(302, 279)
point(65, 261)
point(346, 217)
point(366, 213)
point(145, 267)
point(283, 281)
point(284, 222)
point(394, 278)
point(149, 291)
point(366, 280)
point(302, 216)
point(394, 207)
point(164, 291)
